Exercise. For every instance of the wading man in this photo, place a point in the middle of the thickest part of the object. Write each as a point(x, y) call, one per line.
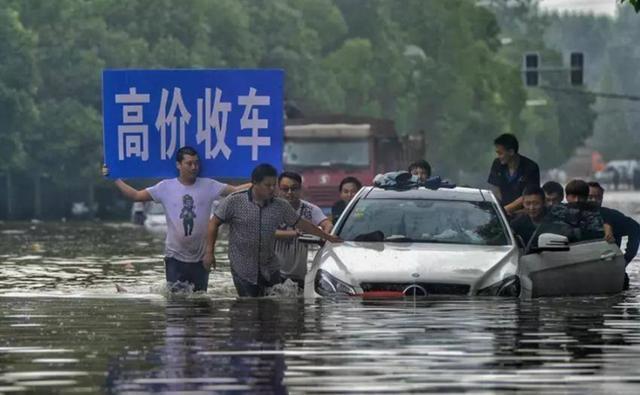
point(290, 252)
point(187, 201)
point(253, 217)
point(621, 225)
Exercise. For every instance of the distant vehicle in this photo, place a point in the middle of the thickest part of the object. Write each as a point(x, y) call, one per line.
point(324, 150)
point(619, 172)
point(155, 220)
point(421, 242)
point(137, 213)
point(80, 209)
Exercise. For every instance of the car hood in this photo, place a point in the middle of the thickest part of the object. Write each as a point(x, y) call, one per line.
point(402, 262)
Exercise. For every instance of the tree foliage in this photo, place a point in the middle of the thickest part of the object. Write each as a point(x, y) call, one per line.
point(434, 67)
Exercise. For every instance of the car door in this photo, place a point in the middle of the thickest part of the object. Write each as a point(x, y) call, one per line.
point(587, 268)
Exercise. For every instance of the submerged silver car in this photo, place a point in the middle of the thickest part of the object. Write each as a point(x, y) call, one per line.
point(452, 241)
point(418, 242)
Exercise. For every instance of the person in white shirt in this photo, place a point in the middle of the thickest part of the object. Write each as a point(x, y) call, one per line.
point(187, 201)
point(290, 252)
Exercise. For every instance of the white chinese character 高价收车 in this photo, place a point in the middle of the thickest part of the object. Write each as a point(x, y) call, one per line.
point(251, 120)
point(176, 123)
point(213, 117)
point(133, 136)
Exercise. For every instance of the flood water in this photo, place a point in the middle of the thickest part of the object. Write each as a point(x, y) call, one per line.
point(65, 329)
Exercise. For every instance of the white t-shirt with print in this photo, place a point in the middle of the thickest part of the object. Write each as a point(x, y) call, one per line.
point(187, 209)
point(291, 254)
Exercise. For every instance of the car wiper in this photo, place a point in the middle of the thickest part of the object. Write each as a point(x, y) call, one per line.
point(400, 239)
point(371, 236)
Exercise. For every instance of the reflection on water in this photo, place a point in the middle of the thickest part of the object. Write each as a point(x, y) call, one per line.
point(64, 327)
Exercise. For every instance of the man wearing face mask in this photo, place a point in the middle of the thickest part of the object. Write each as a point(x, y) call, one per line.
point(253, 217)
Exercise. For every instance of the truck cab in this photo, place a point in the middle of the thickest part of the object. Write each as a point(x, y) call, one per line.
point(326, 150)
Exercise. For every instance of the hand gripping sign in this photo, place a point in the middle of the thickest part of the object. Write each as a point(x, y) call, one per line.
point(233, 118)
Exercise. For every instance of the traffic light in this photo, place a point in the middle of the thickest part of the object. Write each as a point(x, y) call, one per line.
point(531, 72)
point(577, 68)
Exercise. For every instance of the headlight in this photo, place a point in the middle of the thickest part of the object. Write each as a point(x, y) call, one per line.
point(327, 285)
point(510, 286)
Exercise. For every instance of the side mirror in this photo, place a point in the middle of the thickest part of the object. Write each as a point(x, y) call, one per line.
point(552, 242)
point(310, 239)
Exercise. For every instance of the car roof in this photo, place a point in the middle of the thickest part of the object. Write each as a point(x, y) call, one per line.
point(457, 193)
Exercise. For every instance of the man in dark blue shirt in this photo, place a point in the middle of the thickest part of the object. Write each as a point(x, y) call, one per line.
point(511, 173)
point(621, 224)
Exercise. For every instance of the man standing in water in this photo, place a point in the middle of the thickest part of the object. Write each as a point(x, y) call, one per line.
point(290, 252)
point(253, 217)
point(621, 226)
point(187, 202)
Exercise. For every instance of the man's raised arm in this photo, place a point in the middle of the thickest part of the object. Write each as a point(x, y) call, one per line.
point(128, 191)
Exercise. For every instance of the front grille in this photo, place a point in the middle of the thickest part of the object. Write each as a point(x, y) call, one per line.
point(431, 288)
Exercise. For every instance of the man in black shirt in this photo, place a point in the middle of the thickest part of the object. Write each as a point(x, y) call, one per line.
point(621, 224)
point(511, 173)
point(525, 225)
point(349, 186)
point(553, 193)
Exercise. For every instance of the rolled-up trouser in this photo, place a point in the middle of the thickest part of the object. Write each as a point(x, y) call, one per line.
point(247, 288)
point(178, 273)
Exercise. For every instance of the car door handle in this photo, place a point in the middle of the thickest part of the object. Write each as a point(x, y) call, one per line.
point(607, 256)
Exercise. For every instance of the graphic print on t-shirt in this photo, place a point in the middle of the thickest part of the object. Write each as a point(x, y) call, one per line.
point(187, 214)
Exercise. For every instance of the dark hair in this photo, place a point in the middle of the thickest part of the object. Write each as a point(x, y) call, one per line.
point(594, 184)
point(350, 180)
point(263, 171)
point(578, 188)
point(533, 189)
point(421, 164)
point(508, 141)
point(550, 187)
point(185, 151)
point(290, 174)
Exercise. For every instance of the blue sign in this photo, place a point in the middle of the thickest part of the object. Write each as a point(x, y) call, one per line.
point(233, 118)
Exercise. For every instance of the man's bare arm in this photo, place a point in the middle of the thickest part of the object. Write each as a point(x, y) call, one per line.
point(286, 234)
point(128, 191)
point(308, 227)
point(131, 193)
point(209, 260)
point(326, 225)
point(514, 206)
point(235, 188)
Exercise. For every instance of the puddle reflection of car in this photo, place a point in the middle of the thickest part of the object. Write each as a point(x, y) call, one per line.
point(155, 220)
point(420, 242)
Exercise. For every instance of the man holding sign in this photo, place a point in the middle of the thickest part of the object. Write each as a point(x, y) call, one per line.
point(187, 201)
point(231, 119)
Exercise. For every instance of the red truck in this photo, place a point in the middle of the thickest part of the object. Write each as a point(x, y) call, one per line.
point(326, 149)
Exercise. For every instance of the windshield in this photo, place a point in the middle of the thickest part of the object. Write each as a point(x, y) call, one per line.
point(426, 221)
point(327, 153)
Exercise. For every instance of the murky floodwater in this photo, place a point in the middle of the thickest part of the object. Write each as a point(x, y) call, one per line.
point(64, 328)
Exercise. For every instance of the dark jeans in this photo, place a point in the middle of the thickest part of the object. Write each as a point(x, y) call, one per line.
point(185, 272)
point(246, 288)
